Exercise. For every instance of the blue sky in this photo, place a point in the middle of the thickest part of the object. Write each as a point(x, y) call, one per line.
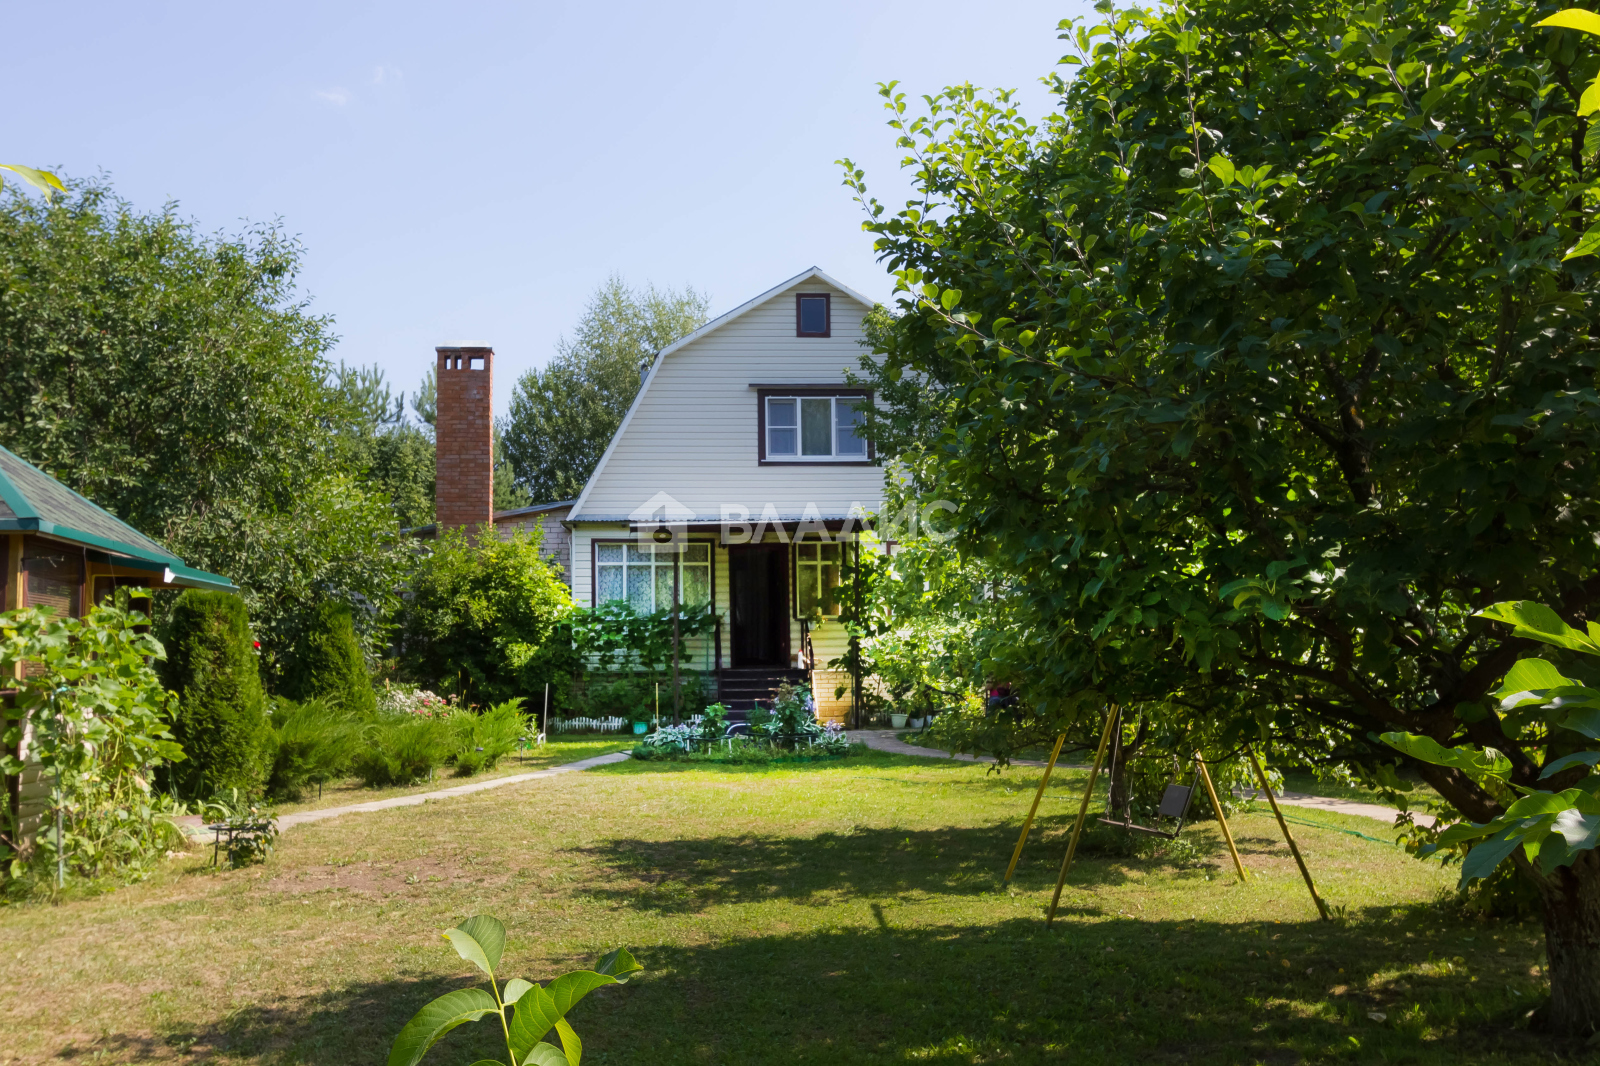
point(473, 171)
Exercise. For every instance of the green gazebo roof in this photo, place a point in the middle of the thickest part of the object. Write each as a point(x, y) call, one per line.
point(32, 501)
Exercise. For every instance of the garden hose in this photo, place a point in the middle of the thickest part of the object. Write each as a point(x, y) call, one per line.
point(1339, 829)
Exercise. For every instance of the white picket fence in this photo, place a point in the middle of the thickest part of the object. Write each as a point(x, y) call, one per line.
point(590, 725)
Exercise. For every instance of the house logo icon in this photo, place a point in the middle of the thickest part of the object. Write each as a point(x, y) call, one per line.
point(661, 521)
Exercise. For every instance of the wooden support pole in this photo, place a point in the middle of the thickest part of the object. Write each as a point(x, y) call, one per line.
point(1037, 796)
point(1222, 818)
point(1083, 812)
point(1322, 908)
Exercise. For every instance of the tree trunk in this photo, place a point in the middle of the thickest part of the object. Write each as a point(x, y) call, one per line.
point(1120, 803)
point(1571, 903)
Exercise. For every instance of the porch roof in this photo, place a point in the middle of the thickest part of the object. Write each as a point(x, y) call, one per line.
point(32, 501)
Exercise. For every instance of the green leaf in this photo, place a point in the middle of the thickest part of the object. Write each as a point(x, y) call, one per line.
point(544, 1055)
point(488, 1062)
point(1486, 763)
point(1566, 762)
point(619, 964)
point(570, 1042)
point(1589, 102)
point(1573, 19)
point(569, 988)
point(436, 1019)
point(514, 990)
point(490, 935)
point(1585, 720)
point(1483, 858)
point(1223, 168)
point(1589, 243)
point(42, 180)
point(1527, 675)
point(1580, 831)
point(536, 1015)
point(1538, 622)
point(949, 298)
point(469, 949)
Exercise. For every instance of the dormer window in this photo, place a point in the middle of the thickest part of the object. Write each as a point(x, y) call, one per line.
point(811, 314)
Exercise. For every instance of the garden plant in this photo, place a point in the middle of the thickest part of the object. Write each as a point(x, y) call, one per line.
point(527, 1011)
point(100, 726)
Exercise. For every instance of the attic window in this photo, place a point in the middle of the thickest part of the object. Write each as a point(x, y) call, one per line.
point(811, 314)
point(812, 425)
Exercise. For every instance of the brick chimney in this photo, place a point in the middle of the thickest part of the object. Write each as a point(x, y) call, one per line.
point(464, 438)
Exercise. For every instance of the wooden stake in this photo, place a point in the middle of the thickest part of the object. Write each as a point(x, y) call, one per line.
point(1037, 796)
point(1083, 811)
point(1222, 819)
point(1322, 908)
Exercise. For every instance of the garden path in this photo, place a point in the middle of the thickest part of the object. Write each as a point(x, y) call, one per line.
point(887, 740)
point(302, 817)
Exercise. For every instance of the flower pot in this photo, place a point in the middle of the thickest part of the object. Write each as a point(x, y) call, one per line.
point(640, 728)
point(897, 721)
point(917, 723)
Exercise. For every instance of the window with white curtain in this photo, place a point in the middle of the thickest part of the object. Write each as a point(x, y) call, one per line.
point(642, 574)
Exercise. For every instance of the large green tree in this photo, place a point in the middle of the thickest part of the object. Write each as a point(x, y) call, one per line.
point(481, 619)
point(179, 381)
point(393, 454)
point(1257, 370)
point(562, 416)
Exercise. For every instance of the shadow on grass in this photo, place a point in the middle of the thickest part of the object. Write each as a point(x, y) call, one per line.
point(690, 874)
point(1109, 991)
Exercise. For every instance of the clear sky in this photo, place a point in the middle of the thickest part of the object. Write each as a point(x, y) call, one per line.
point(472, 171)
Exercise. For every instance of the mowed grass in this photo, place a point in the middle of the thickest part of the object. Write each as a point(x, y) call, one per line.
point(839, 913)
point(559, 749)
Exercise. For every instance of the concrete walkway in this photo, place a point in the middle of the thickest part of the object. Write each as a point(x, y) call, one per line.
point(191, 824)
point(887, 740)
point(302, 817)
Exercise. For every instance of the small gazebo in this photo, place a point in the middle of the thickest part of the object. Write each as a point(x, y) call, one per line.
point(65, 553)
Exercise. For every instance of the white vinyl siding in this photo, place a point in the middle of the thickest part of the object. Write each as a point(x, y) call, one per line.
point(694, 431)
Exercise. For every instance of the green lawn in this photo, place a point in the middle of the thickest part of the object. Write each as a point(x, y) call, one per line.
point(838, 913)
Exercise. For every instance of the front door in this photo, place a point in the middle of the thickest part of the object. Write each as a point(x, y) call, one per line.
point(758, 592)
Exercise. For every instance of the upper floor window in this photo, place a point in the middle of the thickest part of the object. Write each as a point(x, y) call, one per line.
point(815, 428)
point(642, 575)
point(812, 314)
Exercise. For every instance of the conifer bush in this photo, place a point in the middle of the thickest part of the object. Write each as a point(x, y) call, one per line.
point(312, 743)
point(329, 664)
point(399, 751)
point(222, 720)
point(482, 740)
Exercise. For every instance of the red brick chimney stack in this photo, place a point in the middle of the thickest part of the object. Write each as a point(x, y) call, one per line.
point(464, 438)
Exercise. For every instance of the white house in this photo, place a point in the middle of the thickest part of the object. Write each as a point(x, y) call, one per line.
point(738, 475)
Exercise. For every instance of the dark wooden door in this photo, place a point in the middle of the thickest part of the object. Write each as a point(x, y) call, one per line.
point(758, 591)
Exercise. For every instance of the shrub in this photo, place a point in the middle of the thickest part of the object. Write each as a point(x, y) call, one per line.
point(221, 722)
point(329, 664)
point(399, 751)
point(312, 743)
point(482, 618)
point(482, 739)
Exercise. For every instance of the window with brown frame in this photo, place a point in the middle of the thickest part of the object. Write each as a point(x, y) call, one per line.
point(813, 314)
